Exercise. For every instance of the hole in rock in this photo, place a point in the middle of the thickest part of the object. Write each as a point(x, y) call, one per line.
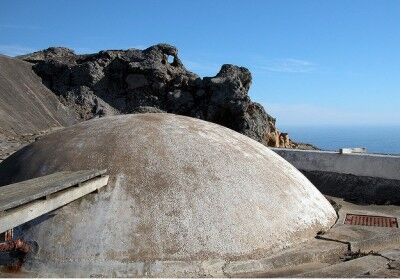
point(170, 59)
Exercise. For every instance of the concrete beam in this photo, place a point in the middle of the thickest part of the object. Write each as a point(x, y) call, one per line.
point(16, 216)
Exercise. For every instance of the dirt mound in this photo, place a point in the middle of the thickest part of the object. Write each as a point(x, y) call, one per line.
point(27, 107)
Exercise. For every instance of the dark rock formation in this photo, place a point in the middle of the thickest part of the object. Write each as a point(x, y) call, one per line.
point(116, 81)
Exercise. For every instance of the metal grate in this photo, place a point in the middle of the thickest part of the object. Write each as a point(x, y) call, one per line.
point(368, 220)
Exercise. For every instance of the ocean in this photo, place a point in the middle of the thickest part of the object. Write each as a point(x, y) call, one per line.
point(377, 139)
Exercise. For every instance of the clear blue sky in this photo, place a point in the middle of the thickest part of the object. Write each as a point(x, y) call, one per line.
point(313, 62)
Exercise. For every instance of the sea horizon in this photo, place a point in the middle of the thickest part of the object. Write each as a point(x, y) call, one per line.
point(382, 139)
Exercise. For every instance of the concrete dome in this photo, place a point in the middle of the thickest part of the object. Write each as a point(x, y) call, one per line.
point(181, 191)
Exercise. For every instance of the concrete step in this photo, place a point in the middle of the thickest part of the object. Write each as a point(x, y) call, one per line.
point(360, 267)
point(285, 271)
point(306, 256)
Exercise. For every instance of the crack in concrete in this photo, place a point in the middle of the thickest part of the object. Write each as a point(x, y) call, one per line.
point(335, 240)
point(223, 269)
point(356, 254)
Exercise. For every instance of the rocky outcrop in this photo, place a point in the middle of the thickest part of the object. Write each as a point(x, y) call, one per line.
point(131, 81)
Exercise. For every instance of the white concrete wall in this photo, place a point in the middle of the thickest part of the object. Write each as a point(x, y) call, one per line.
point(375, 165)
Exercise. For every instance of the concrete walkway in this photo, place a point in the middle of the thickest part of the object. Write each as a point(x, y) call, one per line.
point(344, 251)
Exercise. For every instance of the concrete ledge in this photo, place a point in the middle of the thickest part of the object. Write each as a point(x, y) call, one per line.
point(373, 165)
point(301, 258)
point(313, 251)
point(356, 268)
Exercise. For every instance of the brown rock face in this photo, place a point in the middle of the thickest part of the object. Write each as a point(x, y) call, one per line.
point(130, 81)
point(275, 138)
point(27, 108)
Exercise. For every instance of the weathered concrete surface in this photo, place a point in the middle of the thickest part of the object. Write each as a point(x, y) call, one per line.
point(372, 165)
point(392, 254)
point(385, 272)
point(181, 190)
point(360, 267)
point(365, 239)
point(303, 257)
point(285, 272)
point(312, 254)
point(392, 269)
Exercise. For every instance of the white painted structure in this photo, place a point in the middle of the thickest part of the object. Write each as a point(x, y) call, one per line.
point(373, 165)
point(181, 192)
point(353, 150)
